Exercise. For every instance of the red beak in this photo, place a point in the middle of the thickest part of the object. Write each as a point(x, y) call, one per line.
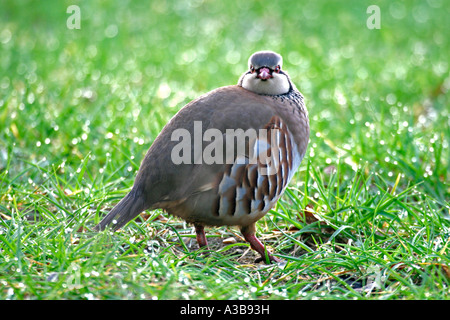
point(264, 73)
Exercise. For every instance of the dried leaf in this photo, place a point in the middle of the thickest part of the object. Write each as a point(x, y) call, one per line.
point(308, 214)
point(229, 240)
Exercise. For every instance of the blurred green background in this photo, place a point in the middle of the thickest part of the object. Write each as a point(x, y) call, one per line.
point(80, 107)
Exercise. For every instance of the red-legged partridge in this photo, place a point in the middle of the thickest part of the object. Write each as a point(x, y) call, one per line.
point(226, 157)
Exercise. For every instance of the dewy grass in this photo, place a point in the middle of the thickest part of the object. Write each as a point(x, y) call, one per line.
point(365, 217)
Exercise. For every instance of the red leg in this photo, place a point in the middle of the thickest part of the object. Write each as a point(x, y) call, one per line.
point(249, 235)
point(200, 235)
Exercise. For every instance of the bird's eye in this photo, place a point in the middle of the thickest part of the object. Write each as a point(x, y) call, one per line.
point(252, 69)
point(277, 69)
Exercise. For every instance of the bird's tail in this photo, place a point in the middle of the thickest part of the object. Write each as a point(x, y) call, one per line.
point(127, 209)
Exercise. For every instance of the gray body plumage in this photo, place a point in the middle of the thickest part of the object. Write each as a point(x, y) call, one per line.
point(225, 193)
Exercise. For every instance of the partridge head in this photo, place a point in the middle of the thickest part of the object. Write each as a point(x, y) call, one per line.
point(226, 157)
point(265, 75)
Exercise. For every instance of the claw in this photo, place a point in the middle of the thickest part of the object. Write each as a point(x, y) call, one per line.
point(269, 260)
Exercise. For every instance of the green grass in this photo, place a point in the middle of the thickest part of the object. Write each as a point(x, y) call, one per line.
point(366, 216)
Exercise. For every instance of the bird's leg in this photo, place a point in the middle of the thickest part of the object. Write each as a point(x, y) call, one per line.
point(200, 235)
point(249, 234)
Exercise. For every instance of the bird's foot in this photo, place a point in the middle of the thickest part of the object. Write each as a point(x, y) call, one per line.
point(256, 245)
point(268, 259)
point(201, 236)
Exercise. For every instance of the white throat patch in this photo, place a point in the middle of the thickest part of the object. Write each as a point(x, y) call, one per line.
point(279, 84)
